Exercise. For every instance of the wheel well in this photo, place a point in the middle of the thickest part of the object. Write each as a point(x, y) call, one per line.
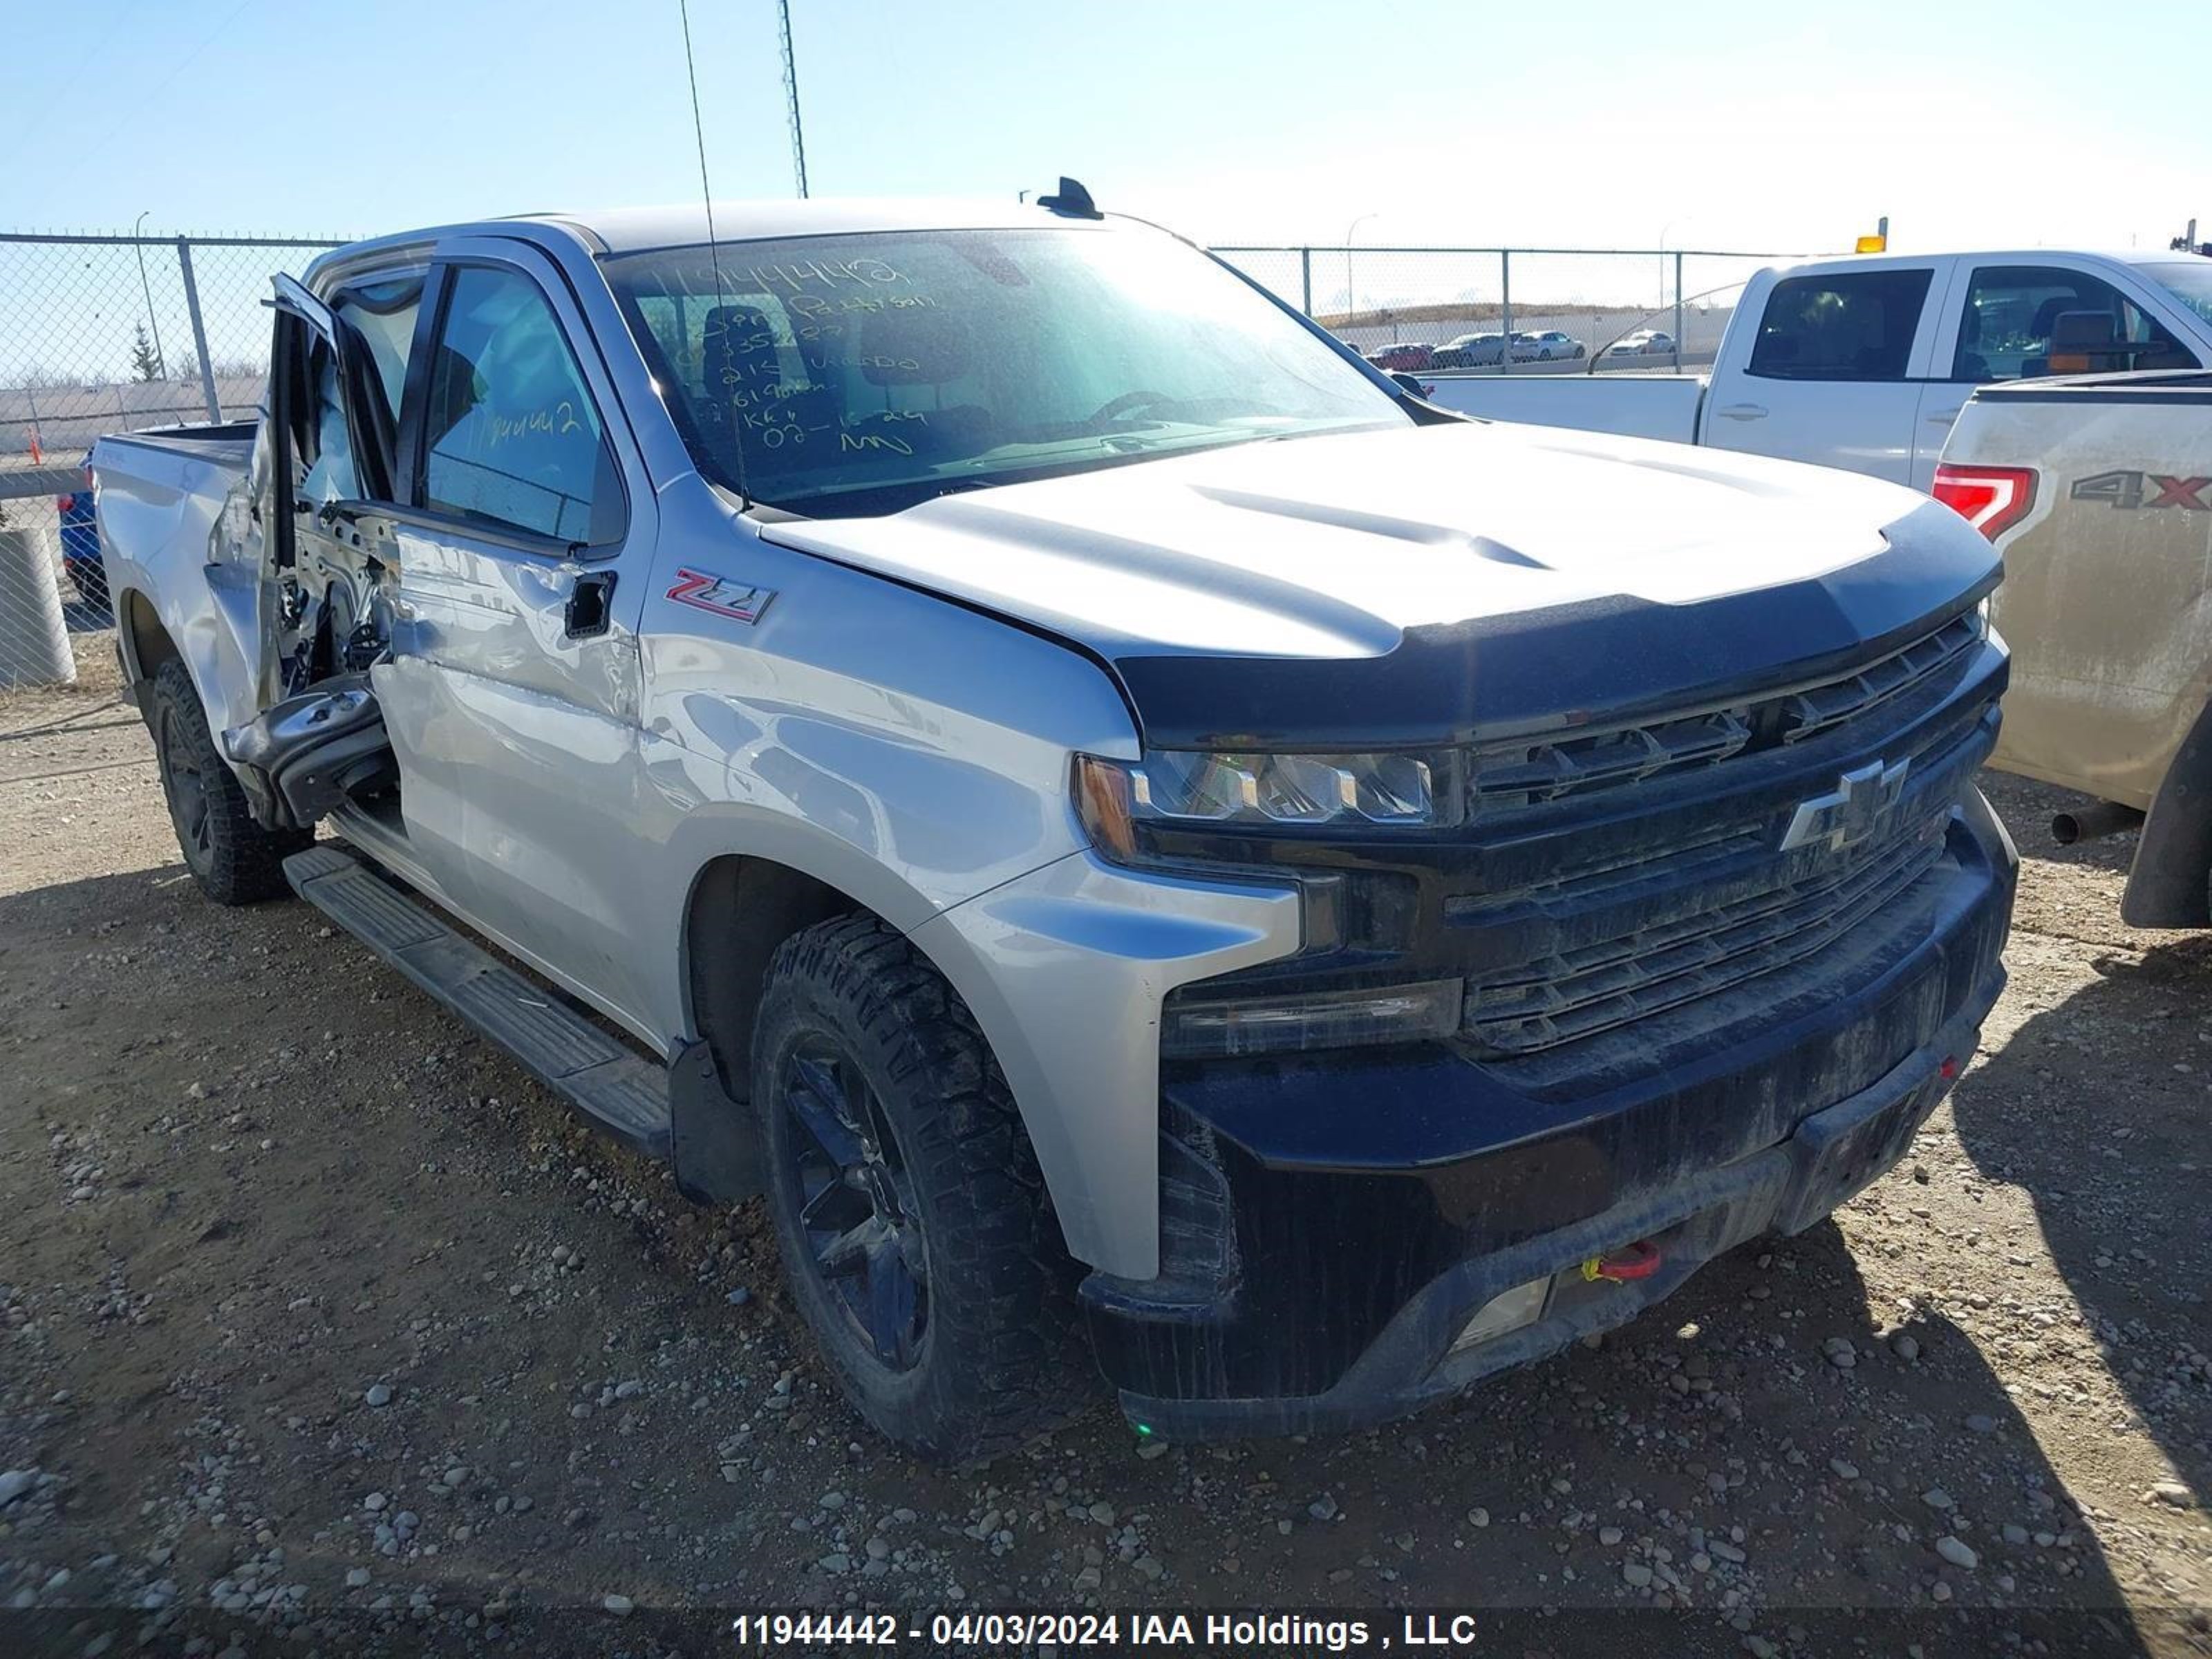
point(150, 644)
point(741, 909)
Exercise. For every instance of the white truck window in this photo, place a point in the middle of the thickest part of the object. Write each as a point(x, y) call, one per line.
point(2012, 314)
point(1853, 326)
point(513, 436)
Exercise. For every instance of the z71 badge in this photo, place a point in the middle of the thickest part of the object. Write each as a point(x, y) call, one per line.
point(738, 601)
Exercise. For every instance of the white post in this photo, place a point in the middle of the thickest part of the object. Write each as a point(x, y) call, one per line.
point(33, 638)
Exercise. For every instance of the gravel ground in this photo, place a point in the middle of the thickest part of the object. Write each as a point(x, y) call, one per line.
point(318, 1316)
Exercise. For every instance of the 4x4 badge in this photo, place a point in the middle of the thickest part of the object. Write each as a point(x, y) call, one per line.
point(1849, 812)
point(738, 601)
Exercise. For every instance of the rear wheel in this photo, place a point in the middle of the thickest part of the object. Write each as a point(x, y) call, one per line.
point(915, 1232)
point(233, 859)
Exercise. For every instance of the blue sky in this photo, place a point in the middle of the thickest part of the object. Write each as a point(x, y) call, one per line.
point(1714, 126)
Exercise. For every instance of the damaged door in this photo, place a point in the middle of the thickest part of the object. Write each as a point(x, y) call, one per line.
point(512, 688)
point(336, 377)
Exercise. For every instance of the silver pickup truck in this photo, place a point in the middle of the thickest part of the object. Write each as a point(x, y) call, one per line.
point(2097, 491)
point(976, 723)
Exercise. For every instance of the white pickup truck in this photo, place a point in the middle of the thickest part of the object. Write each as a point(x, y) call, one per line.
point(1863, 362)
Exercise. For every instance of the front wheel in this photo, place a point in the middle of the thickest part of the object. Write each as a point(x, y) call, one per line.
point(233, 859)
point(914, 1232)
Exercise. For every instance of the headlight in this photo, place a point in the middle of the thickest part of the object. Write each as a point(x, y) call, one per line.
point(1199, 789)
point(1198, 1022)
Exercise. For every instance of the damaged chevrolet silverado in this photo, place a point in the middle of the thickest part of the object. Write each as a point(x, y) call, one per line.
point(980, 726)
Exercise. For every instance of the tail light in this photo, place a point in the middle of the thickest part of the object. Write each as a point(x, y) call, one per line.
point(1992, 499)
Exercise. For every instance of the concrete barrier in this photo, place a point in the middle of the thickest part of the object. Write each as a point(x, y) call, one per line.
point(34, 648)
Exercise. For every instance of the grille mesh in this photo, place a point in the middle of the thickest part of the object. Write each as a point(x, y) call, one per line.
point(1519, 773)
point(1576, 993)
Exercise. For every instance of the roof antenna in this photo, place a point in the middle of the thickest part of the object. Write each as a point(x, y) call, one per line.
point(713, 248)
point(791, 98)
point(1073, 201)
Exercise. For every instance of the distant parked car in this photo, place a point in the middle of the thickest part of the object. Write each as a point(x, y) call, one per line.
point(1471, 352)
point(1550, 345)
point(80, 543)
point(1643, 342)
point(1404, 354)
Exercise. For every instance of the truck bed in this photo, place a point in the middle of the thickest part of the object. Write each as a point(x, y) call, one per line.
point(165, 538)
point(230, 442)
point(1634, 405)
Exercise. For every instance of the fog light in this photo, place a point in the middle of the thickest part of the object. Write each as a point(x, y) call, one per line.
point(1509, 1310)
point(1197, 1028)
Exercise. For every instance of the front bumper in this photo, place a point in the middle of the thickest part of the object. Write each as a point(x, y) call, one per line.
point(1334, 1223)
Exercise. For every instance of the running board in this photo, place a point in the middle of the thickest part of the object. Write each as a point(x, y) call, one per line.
point(621, 1091)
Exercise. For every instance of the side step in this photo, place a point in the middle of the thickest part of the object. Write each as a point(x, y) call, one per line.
point(623, 1092)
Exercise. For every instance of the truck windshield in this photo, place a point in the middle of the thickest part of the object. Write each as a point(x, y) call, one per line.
point(2189, 280)
point(840, 375)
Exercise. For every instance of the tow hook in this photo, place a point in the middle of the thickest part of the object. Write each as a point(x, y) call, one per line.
point(1637, 1260)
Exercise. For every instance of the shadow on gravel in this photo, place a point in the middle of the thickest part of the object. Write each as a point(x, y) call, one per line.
point(1828, 1471)
point(1370, 1523)
point(2097, 1108)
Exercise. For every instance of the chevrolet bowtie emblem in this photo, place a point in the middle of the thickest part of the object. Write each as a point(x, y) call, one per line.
point(1849, 812)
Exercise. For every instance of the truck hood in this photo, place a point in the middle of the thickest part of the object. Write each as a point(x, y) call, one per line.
point(1433, 583)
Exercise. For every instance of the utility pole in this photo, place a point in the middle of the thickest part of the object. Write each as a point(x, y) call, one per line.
point(791, 98)
point(147, 288)
point(1349, 292)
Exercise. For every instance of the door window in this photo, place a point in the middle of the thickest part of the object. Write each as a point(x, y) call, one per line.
point(2020, 321)
point(376, 322)
point(380, 316)
point(322, 439)
point(512, 436)
point(1851, 325)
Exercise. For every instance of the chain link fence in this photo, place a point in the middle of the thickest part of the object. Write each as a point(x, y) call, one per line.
point(109, 334)
point(1513, 310)
point(112, 333)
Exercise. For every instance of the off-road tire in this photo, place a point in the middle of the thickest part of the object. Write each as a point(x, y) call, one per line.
point(233, 859)
point(992, 1368)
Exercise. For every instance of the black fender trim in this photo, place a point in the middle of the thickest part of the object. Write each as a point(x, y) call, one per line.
point(2168, 883)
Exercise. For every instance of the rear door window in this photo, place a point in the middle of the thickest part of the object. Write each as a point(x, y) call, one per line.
point(512, 438)
point(1848, 325)
point(376, 323)
point(321, 435)
point(379, 317)
point(2021, 321)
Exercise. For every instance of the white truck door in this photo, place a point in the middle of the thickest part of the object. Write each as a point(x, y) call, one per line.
point(1830, 372)
point(2001, 322)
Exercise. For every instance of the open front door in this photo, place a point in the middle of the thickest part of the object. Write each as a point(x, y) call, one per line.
point(330, 561)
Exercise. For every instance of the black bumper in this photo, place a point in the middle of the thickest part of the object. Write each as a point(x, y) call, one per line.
point(1331, 1225)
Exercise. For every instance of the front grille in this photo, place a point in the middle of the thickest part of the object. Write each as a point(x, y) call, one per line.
point(1578, 992)
point(1523, 772)
point(1623, 904)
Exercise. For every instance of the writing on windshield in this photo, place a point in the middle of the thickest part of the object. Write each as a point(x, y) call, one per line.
point(884, 369)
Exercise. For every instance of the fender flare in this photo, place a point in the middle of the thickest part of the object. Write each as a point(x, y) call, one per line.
point(2168, 884)
point(716, 1154)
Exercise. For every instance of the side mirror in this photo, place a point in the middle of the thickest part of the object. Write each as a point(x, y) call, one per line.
point(1408, 384)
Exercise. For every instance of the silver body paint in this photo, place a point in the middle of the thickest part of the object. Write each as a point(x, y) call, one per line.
point(899, 720)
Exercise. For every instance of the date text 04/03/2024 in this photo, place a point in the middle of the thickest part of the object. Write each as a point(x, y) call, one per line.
point(1214, 1631)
